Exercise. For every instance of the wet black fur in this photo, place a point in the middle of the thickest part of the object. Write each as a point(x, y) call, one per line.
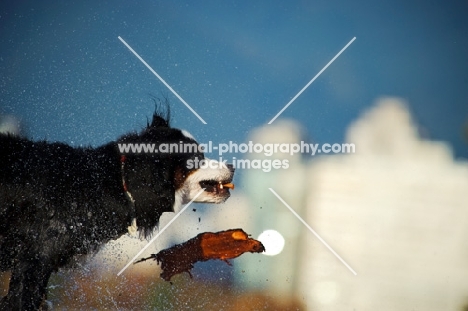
point(57, 202)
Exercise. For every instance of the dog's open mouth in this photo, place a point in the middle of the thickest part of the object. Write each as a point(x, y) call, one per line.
point(217, 186)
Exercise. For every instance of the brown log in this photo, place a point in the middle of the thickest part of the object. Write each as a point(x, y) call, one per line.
point(221, 245)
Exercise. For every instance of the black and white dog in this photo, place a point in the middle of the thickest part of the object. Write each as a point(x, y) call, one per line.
point(57, 202)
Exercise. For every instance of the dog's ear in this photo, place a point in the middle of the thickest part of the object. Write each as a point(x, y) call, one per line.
point(158, 121)
point(161, 115)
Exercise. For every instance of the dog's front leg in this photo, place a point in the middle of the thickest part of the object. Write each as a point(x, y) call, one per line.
point(28, 286)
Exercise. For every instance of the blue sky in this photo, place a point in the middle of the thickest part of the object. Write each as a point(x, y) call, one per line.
point(64, 72)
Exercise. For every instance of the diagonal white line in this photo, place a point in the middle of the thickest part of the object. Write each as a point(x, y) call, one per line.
point(313, 79)
point(160, 232)
point(315, 233)
point(162, 80)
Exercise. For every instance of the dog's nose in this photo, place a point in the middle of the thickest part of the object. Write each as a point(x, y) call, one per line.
point(231, 168)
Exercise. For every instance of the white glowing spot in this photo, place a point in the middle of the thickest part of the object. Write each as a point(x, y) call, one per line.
point(273, 242)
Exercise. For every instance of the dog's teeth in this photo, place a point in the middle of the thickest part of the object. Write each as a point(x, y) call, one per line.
point(220, 185)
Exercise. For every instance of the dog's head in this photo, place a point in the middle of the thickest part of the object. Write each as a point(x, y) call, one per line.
point(166, 168)
point(211, 176)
